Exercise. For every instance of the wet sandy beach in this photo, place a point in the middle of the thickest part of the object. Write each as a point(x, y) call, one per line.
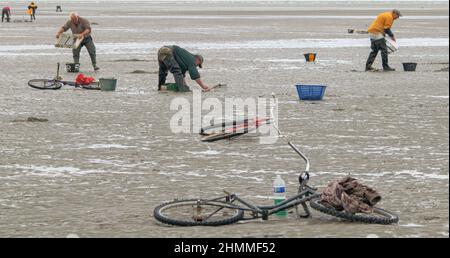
point(104, 160)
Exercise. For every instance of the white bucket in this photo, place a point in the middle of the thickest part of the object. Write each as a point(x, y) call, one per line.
point(392, 46)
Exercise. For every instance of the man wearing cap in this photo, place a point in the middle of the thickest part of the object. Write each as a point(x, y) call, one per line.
point(377, 32)
point(178, 61)
point(81, 27)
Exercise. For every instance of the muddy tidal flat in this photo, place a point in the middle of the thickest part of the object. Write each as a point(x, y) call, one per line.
point(95, 164)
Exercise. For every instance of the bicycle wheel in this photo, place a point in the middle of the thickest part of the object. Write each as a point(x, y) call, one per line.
point(44, 84)
point(379, 216)
point(198, 213)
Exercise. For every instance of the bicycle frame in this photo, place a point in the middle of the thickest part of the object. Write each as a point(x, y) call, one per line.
point(59, 79)
point(305, 194)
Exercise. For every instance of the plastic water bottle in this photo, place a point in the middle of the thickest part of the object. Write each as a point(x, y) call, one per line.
point(279, 194)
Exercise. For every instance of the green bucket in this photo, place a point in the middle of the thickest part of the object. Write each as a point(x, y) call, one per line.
point(108, 84)
point(173, 87)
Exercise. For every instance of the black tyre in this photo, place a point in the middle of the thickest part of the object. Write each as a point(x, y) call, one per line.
point(198, 213)
point(44, 84)
point(379, 216)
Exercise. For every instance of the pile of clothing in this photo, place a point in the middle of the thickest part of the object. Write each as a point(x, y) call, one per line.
point(350, 195)
point(84, 80)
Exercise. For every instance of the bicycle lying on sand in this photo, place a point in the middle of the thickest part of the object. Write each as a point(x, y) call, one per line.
point(57, 83)
point(232, 129)
point(230, 208)
point(236, 128)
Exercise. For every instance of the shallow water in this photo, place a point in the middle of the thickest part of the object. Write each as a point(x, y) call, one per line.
point(143, 48)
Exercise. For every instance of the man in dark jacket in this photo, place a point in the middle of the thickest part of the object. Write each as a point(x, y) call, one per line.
point(178, 61)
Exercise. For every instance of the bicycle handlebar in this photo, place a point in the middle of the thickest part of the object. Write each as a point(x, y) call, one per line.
point(301, 155)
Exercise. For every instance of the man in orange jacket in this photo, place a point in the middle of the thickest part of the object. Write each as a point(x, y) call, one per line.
point(32, 10)
point(377, 31)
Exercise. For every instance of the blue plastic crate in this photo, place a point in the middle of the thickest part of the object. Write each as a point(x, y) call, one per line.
point(310, 92)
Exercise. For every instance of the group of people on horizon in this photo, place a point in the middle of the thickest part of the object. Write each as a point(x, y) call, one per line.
point(31, 10)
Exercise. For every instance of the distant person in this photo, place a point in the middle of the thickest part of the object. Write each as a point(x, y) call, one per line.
point(58, 9)
point(32, 10)
point(6, 13)
point(178, 61)
point(377, 32)
point(81, 27)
